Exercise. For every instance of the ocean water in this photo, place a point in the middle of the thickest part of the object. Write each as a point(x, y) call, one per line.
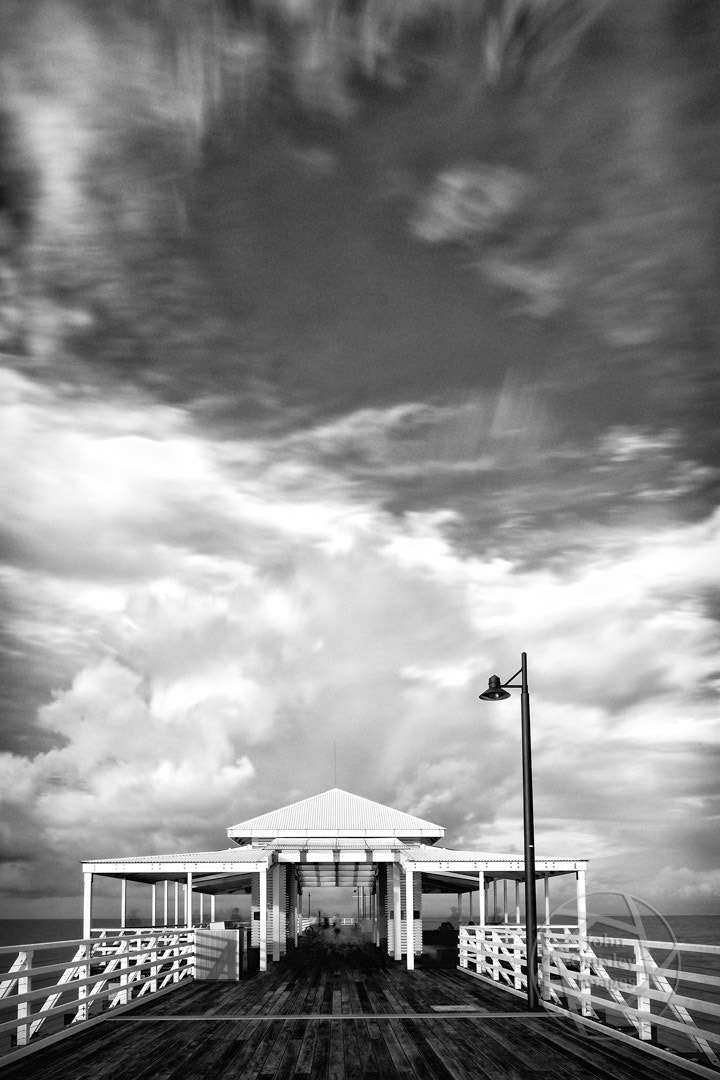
point(701, 929)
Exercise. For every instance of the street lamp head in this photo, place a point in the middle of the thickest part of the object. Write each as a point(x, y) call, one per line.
point(495, 691)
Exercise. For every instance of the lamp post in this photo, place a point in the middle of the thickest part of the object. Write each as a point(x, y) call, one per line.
point(496, 691)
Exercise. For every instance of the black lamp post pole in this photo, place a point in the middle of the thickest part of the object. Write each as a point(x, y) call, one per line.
point(529, 838)
point(496, 691)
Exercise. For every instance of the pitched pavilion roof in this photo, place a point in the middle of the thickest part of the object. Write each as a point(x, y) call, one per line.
point(226, 855)
point(335, 813)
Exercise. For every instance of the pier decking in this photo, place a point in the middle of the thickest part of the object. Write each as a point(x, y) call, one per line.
point(339, 1008)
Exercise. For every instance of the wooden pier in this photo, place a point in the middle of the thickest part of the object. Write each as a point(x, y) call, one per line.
point(335, 1008)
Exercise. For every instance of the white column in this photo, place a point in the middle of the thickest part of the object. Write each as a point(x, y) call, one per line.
point(547, 899)
point(123, 902)
point(585, 987)
point(262, 905)
point(409, 921)
point(189, 900)
point(202, 907)
point(581, 906)
point(212, 907)
point(517, 903)
point(397, 913)
point(294, 911)
point(177, 903)
point(152, 903)
point(276, 911)
point(87, 904)
point(481, 897)
point(165, 902)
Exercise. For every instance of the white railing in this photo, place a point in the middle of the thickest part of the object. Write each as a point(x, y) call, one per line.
point(656, 989)
point(41, 994)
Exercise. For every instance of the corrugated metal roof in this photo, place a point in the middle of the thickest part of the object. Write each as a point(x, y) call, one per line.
point(232, 854)
point(335, 812)
point(423, 853)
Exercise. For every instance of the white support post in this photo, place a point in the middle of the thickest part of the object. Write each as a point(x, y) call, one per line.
point(262, 904)
point(642, 982)
point(397, 913)
point(581, 906)
point(87, 904)
point(189, 900)
point(294, 911)
point(481, 897)
point(212, 907)
point(547, 900)
point(153, 902)
point(276, 911)
point(177, 903)
point(202, 908)
point(585, 987)
point(517, 903)
point(409, 920)
point(24, 986)
point(505, 902)
point(165, 902)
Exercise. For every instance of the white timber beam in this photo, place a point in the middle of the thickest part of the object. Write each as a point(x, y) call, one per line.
point(481, 897)
point(123, 903)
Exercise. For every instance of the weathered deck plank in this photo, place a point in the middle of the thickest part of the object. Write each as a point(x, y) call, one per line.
point(334, 1010)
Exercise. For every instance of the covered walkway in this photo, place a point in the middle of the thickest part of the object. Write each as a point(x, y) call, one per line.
point(390, 858)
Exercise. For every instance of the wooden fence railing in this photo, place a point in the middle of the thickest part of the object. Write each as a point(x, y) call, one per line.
point(43, 991)
point(662, 992)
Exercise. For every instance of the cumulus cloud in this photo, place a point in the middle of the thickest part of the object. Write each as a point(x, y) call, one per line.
point(230, 617)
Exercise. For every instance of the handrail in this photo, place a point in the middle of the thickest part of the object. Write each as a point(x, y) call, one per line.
point(577, 974)
point(105, 972)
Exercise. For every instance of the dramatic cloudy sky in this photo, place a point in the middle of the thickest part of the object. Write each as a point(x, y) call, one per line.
point(224, 593)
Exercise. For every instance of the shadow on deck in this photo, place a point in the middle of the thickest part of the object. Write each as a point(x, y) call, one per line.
point(336, 1007)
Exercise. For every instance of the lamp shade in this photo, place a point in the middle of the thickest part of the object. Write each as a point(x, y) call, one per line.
point(495, 691)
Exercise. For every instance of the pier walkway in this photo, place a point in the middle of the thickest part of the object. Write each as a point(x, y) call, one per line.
point(337, 1008)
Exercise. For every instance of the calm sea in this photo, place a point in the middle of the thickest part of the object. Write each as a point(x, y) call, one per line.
point(702, 929)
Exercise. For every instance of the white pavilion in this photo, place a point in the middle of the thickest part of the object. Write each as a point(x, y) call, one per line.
point(333, 839)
